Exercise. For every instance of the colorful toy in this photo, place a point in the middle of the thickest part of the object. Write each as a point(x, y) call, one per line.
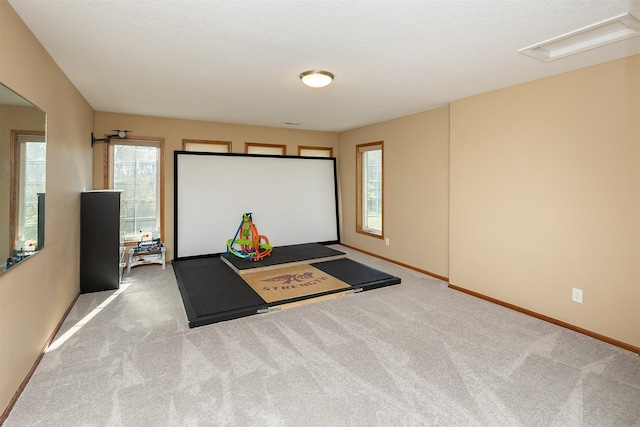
point(148, 243)
point(248, 243)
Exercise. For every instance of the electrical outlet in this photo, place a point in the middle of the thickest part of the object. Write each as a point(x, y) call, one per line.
point(576, 295)
point(386, 241)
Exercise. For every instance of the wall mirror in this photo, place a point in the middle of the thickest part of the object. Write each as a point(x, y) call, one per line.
point(23, 178)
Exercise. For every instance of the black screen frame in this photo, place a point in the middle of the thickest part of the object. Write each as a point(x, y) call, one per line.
point(256, 185)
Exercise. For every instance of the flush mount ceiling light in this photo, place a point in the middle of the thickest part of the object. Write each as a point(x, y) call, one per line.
point(599, 34)
point(316, 78)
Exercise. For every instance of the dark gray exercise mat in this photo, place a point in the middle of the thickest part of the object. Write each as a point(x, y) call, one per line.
point(212, 291)
point(356, 274)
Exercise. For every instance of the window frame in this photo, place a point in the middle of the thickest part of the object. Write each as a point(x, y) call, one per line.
point(311, 148)
point(226, 144)
point(360, 150)
point(108, 173)
point(281, 147)
point(14, 156)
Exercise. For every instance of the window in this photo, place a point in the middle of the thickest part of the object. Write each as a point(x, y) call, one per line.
point(29, 180)
point(315, 151)
point(255, 148)
point(136, 169)
point(369, 189)
point(207, 146)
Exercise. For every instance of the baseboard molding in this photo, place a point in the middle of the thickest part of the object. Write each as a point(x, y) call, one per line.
point(608, 340)
point(410, 267)
point(591, 334)
point(16, 395)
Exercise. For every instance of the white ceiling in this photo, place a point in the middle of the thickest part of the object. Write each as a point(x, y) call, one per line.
point(239, 61)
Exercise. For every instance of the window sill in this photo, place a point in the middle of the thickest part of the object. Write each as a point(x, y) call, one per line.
point(370, 233)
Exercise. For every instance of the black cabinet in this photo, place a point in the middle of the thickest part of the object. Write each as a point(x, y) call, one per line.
point(100, 243)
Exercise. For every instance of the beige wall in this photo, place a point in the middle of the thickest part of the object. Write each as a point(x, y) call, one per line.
point(416, 189)
point(35, 295)
point(545, 196)
point(540, 184)
point(174, 131)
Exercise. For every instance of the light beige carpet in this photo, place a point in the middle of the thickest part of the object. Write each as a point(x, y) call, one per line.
point(415, 354)
point(292, 282)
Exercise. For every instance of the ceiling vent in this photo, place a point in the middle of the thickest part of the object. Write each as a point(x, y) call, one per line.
point(599, 34)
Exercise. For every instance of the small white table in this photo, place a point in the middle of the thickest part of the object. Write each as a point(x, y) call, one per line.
point(155, 256)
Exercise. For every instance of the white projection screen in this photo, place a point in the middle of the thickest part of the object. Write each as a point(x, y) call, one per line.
point(293, 200)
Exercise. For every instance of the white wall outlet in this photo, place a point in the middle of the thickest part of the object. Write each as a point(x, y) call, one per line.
point(386, 241)
point(576, 295)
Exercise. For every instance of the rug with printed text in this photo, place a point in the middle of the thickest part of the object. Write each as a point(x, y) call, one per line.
point(293, 282)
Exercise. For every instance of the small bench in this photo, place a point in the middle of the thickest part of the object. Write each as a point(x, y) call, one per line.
point(141, 256)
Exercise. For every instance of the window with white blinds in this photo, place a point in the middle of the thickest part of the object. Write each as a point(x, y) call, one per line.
point(272, 149)
point(315, 151)
point(206, 146)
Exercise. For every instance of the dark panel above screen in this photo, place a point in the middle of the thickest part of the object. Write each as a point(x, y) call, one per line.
point(293, 199)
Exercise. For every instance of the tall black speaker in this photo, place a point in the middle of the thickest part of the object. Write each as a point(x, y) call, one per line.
point(40, 220)
point(100, 253)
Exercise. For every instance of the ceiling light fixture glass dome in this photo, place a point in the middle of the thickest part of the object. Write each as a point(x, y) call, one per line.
point(316, 78)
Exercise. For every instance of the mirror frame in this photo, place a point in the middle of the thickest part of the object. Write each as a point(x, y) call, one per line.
point(13, 131)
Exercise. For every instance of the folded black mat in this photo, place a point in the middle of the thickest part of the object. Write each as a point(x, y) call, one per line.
point(285, 255)
point(212, 292)
point(356, 274)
